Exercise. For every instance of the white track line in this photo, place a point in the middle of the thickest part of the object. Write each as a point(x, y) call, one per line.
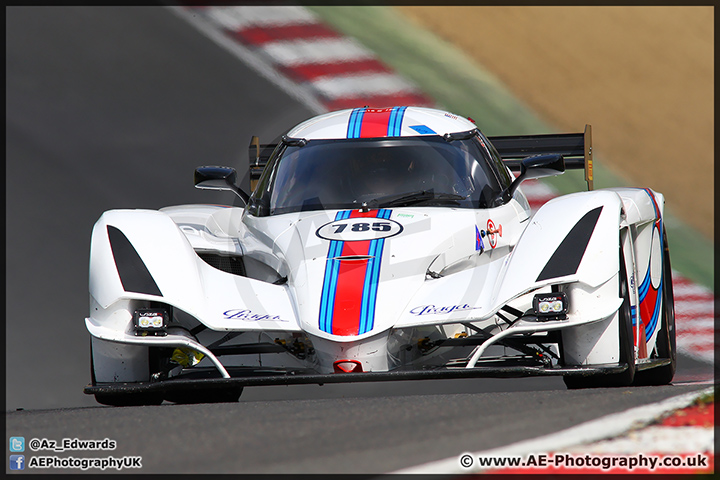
point(238, 18)
point(361, 85)
point(302, 94)
point(656, 440)
point(323, 50)
point(691, 290)
point(701, 323)
point(265, 57)
point(602, 428)
point(695, 309)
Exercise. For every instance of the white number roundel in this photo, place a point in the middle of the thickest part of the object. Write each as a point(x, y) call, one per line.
point(358, 229)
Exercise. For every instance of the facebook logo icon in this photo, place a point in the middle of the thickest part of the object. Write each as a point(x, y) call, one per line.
point(17, 462)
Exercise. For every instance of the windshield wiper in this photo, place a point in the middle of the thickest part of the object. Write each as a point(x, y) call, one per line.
point(412, 198)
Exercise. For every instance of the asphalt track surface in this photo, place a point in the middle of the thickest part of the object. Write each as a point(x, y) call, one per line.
point(113, 108)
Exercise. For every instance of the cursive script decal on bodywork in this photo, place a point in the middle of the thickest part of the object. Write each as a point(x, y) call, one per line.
point(433, 310)
point(249, 316)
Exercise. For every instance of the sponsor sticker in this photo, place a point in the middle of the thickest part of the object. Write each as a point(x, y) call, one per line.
point(423, 129)
point(443, 310)
point(479, 244)
point(248, 316)
point(359, 229)
point(493, 232)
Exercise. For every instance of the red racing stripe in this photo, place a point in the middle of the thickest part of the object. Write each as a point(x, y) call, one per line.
point(348, 296)
point(350, 282)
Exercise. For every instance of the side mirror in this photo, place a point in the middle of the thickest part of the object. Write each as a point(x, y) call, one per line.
point(218, 178)
point(538, 166)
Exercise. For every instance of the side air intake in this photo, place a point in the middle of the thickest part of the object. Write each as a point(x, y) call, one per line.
point(227, 263)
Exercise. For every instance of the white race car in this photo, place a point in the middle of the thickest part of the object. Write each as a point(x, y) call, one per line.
point(383, 244)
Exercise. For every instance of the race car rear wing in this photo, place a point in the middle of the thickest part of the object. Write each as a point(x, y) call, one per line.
point(576, 149)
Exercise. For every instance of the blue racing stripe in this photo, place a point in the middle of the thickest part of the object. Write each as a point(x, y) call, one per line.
point(367, 288)
point(375, 275)
point(328, 292)
point(650, 328)
point(395, 122)
point(351, 122)
point(654, 202)
point(372, 279)
point(644, 286)
point(355, 123)
point(327, 300)
point(391, 122)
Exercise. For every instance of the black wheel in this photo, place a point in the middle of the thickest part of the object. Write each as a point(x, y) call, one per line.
point(122, 400)
point(129, 399)
point(627, 345)
point(665, 347)
point(225, 395)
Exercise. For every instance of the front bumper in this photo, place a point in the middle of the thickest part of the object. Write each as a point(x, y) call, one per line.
point(263, 377)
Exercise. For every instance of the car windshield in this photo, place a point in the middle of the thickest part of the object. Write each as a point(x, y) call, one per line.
point(380, 172)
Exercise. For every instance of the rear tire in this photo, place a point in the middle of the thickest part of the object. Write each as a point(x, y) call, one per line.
point(665, 346)
point(627, 344)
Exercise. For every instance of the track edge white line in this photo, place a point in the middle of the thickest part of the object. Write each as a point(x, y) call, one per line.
point(302, 95)
point(591, 431)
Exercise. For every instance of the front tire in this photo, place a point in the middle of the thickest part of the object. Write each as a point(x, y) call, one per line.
point(129, 399)
point(122, 400)
point(226, 395)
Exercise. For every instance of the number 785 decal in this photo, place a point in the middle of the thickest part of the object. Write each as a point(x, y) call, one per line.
point(358, 229)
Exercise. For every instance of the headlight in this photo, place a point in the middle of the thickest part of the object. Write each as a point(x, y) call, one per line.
point(550, 306)
point(151, 321)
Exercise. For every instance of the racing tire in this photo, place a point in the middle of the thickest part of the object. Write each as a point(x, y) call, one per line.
point(627, 345)
point(129, 399)
point(227, 395)
point(666, 345)
point(122, 400)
